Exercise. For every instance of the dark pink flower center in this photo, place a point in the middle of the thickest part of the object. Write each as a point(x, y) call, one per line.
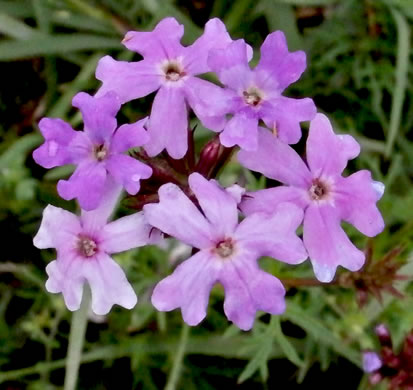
point(318, 190)
point(86, 246)
point(225, 248)
point(252, 97)
point(100, 152)
point(173, 71)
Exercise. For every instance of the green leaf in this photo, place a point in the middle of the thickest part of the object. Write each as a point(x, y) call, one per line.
point(283, 342)
point(54, 44)
point(320, 332)
point(14, 28)
point(304, 3)
point(402, 67)
point(19, 149)
point(257, 362)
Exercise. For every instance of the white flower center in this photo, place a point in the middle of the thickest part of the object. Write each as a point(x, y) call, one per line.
point(100, 152)
point(86, 246)
point(252, 96)
point(173, 71)
point(225, 248)
point(319, 190)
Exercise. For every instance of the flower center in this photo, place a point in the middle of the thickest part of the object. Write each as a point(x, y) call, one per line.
point(173, 71)
point(318, 190)
point(86, 246)
point(225, 248)
point(252, 97)
point(100, 152)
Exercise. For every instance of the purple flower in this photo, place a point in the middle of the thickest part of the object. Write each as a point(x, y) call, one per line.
point(256, 94)
point(169, 68)
point(84, 245)
point(321, 191)
point(371, 361)
point(228, 252)
point(98, 151)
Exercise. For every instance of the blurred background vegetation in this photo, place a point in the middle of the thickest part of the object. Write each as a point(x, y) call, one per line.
point(359, 73)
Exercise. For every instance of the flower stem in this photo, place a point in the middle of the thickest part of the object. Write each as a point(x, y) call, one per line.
point(303, 282)
point(179, 357)
point(76, 339)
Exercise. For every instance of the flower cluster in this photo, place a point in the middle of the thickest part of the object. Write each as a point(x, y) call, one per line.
point(228, 228)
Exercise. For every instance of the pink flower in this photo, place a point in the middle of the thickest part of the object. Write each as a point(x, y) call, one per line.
point(228, 252)
point(84, 245)
point(320, 190)
point(98, 151)
point(169, 68)
point(254, 94)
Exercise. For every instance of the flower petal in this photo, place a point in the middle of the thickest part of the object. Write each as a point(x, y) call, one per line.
point(168, 123)
point(219, 207)
point(99, 114)
point(86, 184)
point(276, 160)
point(125, 233)
point(327, 153)
point(161, 43)
point(215, 36)
point(55, 151)
point(128, 171)
point(209, 102)
point(177, 216)
point(188, 287)
point(69, 284)
point(241, 130)
point(327, 244)
point(58, 227)
point(268, 199)
point(274, 234)
point(231, 65)
point(129, 136)
point(94, 220)
point(108, 284)
point(356, 199)
point(285, 114)
point(276, 60)
point(130, 80)
point(248, 289)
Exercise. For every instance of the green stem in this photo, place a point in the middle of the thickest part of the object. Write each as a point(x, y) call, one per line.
point(179, 357)
point(76, 339)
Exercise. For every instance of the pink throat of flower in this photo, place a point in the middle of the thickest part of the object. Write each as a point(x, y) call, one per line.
point(86, 246)
point(100, 152)
point(252, 97)
point(173, 71)
point(318, 190)
point(225, 248)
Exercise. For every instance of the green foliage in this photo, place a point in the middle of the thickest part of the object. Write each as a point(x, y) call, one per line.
point(359, 55)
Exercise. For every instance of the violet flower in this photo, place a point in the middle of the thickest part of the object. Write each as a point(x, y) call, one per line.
point(371, 361)
point(169, 68)
point(84, 245)
point(98, 151)
point(228, 252)
point(321, 191)
point(256, 94)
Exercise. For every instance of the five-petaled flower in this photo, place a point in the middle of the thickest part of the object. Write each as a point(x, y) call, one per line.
point(84, 245)
point(251, 95)
point(169, 68)
point(98, 151)
point(320, 190)
point(228, 252)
